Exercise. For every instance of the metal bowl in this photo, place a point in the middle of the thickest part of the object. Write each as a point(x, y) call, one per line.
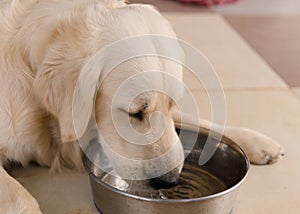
point(229, 166)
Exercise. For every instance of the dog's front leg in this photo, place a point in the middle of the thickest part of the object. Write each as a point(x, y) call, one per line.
point(14, 198)
point(259, 148)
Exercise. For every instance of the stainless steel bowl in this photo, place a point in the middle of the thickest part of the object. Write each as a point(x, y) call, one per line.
point(229, 165)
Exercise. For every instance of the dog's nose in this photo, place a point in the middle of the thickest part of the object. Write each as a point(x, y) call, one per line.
point(167, 180)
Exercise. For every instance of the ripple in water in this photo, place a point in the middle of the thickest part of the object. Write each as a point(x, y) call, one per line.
point(194, 183)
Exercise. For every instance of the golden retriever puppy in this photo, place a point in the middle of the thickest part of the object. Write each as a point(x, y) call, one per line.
point(44, 45)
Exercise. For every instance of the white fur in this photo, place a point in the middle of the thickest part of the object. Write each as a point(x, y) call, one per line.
point(43, 46)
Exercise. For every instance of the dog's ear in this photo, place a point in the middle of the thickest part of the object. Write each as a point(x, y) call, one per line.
point(84, 98)
point(68, 94)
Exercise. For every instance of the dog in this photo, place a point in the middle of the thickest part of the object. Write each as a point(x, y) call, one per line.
point(44, 45)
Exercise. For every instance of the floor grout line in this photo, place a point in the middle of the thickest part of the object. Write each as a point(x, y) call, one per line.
point(235, 30)
point(296, 91)
point(253, 48)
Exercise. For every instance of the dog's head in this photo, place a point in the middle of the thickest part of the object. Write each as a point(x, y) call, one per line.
point(131, 102)
point(134, 113)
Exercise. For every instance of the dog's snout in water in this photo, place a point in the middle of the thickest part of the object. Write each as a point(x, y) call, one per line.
point(167, 180)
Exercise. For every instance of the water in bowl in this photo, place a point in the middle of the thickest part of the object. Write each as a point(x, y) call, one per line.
point(194, 183)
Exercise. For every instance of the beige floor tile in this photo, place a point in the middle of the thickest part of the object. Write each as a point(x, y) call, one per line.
point(64, 193)
point(275, 188)
point(297, 91)
point(260, 7)
point(237, 65)
point(276, 39)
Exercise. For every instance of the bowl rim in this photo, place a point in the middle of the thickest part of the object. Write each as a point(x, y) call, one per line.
point(224, 140)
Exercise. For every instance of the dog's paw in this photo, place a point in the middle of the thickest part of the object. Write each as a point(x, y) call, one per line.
point(260, 149)
point(266, 152)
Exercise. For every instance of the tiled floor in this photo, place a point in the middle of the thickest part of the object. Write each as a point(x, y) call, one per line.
point(256, 98)
point(241, 7)
point(276, 39)
point(297, 91)
point(271, 27)
point(58, 194)
point(237, 65)
point(260, 7)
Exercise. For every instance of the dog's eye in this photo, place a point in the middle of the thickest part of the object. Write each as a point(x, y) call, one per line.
point(139, 115)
